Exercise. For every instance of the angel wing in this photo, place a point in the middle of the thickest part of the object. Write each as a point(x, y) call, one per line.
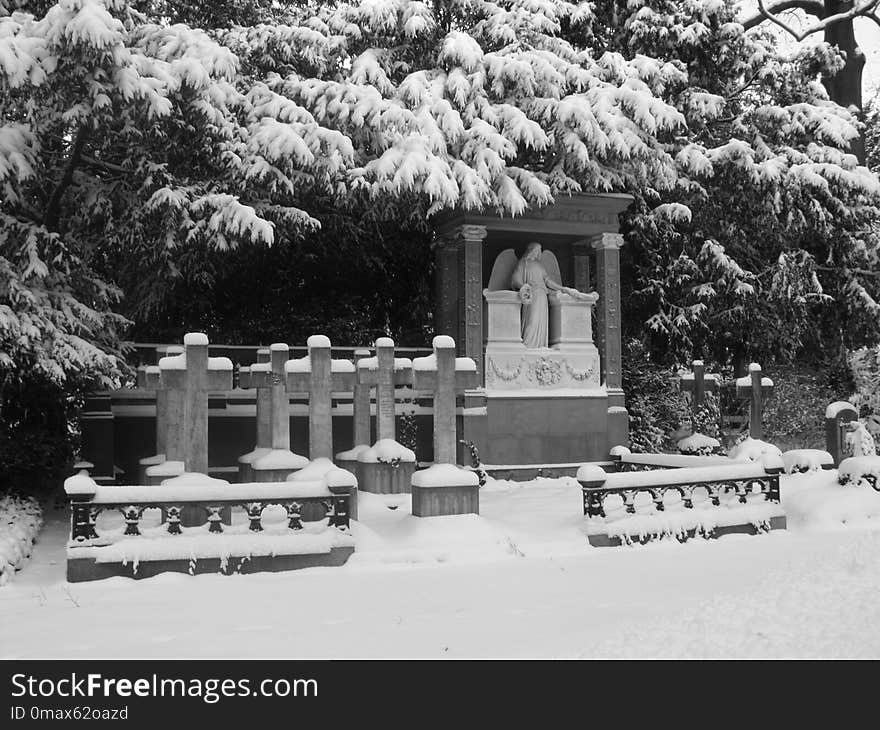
point(502, 270)
point(551, 266)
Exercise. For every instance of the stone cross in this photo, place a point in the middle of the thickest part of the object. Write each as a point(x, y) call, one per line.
point(194, 373)
point(319, 375)
point(757, 389)
point(699, 384)
point(361, 406)
point(444, 375)
point(264, 405)
point(269, 378)
point(384, 372)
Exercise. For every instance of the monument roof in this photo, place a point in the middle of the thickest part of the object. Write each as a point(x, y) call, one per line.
point(580, 215)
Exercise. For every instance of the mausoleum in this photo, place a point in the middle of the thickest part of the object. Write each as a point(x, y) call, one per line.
point(543, 399)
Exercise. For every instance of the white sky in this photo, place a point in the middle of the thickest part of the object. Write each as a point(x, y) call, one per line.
point(867, 35)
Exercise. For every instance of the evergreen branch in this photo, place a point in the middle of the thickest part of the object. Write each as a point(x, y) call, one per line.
point(53, 209)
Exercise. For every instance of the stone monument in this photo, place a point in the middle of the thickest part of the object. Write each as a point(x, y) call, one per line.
point(518, 295)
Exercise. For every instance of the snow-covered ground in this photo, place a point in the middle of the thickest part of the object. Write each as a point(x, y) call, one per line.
point(518, 581)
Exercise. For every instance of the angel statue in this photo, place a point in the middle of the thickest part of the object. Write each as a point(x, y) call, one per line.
point(533, 282)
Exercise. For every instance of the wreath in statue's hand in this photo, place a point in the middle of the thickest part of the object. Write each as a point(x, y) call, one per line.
point(525, 293)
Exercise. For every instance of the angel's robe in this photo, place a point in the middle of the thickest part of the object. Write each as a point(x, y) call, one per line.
point(535, 314)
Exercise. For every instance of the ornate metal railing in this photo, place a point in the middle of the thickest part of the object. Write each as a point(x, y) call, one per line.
point(742, 481)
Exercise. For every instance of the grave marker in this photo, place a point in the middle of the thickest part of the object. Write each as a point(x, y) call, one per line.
point(319, 375)
point(263, 413)
point(385, 372)
point(698, 383)
point(444, 375)
point(757, 389)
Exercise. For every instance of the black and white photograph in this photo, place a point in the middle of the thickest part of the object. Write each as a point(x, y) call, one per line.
point(436, 330)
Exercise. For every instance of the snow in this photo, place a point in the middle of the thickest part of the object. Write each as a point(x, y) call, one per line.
point(753, 450)
point(279, 347)
point(198, 543)
point(372, 363)
point(591, 473)
point(166, 469)
point(219, 363)
point(675, 460)
point(251, 456)
point(384, 342)
point(279, 459)
point(318, 341)
point(80, 483)
point(352, 454)
point(706, 376)
point(341, 366)
point(386, 450)
point(746, 380)
point(800, 460)
point(429, 363)
point(173, 362)
point(517, 581)
point(152, 460)
point(443, 342)
point(620, 451)
point(20, 522)
point(698, 443)
point(193, 487)
point(834, 409)
point(298, 365)
point(658, 477)
point(445, 475)
point(860, 470)
point(195, 338)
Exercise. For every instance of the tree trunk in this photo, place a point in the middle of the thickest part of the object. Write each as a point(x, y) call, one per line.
point(845, 87)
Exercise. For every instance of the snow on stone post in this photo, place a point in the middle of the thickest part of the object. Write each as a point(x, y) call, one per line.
point(263, 412)
point(837, 415)
point(195, 374)
point(757, 389)
point(384, 372)
point(320, 375)
point(444, 375)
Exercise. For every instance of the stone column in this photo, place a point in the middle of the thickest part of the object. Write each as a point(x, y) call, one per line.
point(446, 279)
point(385, 425)
point(195, 410)
point(361, 406)
point(607, 247)
point(470, 266)
point(580, 251)
point(320, 399)
point(279, 427)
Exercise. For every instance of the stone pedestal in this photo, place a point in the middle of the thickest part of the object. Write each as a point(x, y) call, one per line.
point(380, 477)
point(348, 460)
point(276, 465)
point(445, 489)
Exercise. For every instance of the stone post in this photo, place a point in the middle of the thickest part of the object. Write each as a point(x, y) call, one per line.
point(384, 372)
point(607, 247)
point(470, 262)
point(757, 389)
point(444, 375)
point(836, 415)
point(361, 406)
point(320, 375)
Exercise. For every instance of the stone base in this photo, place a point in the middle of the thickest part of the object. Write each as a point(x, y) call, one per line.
point(603, 540)
point(382, 478)
point(445, 500)
point(270, 475)
point(351, 465)
point(86, 569)
point(536, 428)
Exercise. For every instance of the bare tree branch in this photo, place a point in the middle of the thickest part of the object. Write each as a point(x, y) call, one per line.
point(865, 9)
point(813, 7)
point(53, 209)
